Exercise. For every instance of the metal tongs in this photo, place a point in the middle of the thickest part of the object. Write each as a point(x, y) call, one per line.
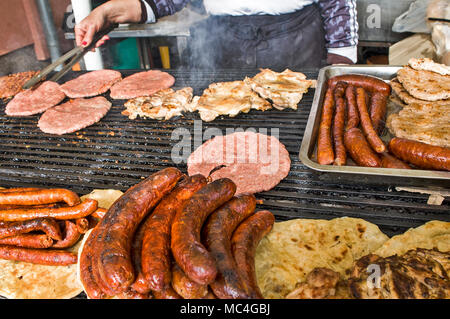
point(73, 56)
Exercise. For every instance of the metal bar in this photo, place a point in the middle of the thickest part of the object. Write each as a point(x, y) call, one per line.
point(51, 36)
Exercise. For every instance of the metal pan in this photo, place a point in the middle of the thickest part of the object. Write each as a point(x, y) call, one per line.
point(308, 148)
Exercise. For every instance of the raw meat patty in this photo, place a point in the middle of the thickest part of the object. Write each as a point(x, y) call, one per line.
point(35, 101)
point(141, 84)
point(254, 162)
point(91, 84)
point(73, 115)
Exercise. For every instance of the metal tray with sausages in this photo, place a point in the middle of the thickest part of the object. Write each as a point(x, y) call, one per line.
point(308, 149)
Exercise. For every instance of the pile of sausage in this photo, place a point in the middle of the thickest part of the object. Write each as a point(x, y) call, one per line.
point(173, 236)
point(352, 120)
point(37, 225)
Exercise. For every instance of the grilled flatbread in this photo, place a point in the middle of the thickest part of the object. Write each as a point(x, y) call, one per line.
point(227, 98)
point(425, 85)
point(162, 105)
point(284, 89)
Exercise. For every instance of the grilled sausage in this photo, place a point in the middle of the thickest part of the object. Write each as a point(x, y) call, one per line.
point(167, 293)
point(28, 241)
point(378, 108)
point(217, 234)
point(99, 213)
point(244, 242)
point(339, 124)
point(420, 154)
point(48, 226)
point(325, 153)
point(82, 225)
point(38, 256)
point(132, 294)
point(19, 189)
point(185, 287)
point(71, 235)
point(53, 205)
point(366, 123)
point(83, 209)
point(190, 254)
point(369, 83)
point(156, 254)
point(119, 224)
point(39, 197)
point(389, 161)
point(359, 150)
point(139, 285)
point(352, 108)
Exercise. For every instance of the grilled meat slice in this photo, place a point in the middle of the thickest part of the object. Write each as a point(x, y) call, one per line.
point(418, 274)
point(320, 284)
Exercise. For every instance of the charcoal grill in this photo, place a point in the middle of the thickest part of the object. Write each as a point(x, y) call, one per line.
point(118, 153)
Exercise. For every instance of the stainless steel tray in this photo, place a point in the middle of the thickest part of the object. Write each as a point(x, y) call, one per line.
point(308, 148)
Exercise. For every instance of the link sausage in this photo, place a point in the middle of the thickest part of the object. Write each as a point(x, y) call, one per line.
point(366, 123)
point(371, 84)
point(325, 153)
point(378, 108)
point(39, 197)
point(38, 256)
point(48, 226)
point(389, 161)
point(359, 150)
point(156, 254)
point(244, 242)
point(190, 254)
point(28, 241)
point(185, 287)
point(217, 234)
point(352, 108)
point(420, 154)
point(71, 235)
point(339, 124)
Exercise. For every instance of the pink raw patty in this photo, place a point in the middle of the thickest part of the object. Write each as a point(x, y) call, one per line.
point(35, 101)
point(74, 115)
point(254, 162)
point(91, 84)
point(142, 84)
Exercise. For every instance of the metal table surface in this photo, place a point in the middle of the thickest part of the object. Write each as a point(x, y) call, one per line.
point(118, 152)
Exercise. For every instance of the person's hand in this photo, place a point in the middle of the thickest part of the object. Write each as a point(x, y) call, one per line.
point(114, 11)
point(338, 59)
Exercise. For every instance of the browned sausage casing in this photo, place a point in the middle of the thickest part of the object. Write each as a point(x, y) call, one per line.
point(132, 294)
point(38, 256)
point(39, 197)
point(71, 235)
point(371, 84)
point(420, 154)
point(156, 254)
point(48, 226)
point(185, 287)
point(389, 161)
point(366, 123)
point(339, 124)
point(352, 108)
point(217, 234)
point(190, 254)
point(325, 153)
point(83, 209)
point(359, 150)
point(378, 108)
point(139, 285)
point(28, 241)
point(119, 225)
point(167, 293)
point(244, 242)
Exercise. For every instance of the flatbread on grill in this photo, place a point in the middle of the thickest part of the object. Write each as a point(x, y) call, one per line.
point(284, 89)
point(433, 234)
point(425, 85)
point(294, 248)
point(162, 105)
point(227, 98)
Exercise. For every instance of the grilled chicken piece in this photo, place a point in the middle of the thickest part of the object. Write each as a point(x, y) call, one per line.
point(227, 98)
point(320, 284)
point(284, 89)
point(418, 274)
point(162, 105)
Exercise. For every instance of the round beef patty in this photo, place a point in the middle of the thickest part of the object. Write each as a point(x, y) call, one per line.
point(254, 162)
point(74, 115)
point(91, 84)
point(34, 101)
point(142, 84)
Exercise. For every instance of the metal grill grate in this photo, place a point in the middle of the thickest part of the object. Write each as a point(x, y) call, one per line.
point(118, 152)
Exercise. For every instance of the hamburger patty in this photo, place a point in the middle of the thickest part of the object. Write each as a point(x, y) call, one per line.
point(91, 84)
point(73, 115)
